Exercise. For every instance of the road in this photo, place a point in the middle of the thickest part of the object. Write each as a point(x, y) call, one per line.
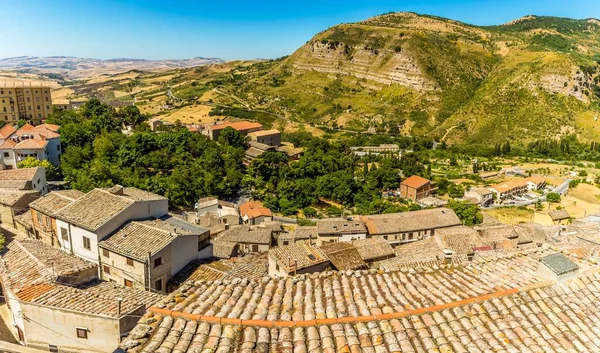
point(560, 189)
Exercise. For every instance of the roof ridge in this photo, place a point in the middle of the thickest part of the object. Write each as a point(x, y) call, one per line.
point(44, 269)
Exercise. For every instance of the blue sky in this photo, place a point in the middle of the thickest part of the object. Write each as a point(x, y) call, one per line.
point(173, 29)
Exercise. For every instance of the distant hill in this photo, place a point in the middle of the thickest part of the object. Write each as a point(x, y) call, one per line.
point(72, 67)
point(532, 78)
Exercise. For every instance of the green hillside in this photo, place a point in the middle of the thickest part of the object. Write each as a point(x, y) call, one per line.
point(403, 73)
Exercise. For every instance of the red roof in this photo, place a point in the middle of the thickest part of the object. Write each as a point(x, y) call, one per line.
point(415, 182)
point(254, 209)
point(6, 131)
point(240, 125)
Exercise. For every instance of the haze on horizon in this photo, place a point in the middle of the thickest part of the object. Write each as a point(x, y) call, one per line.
point(230, 30)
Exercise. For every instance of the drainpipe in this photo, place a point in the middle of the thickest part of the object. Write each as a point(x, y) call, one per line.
point(149, 275)
point(70, 239)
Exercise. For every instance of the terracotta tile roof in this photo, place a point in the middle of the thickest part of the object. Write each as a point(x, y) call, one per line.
point(240, 125)
point(343, 256)
point(8, 145)
point(254, 152)
point(559, 215)
point(300, 234)
point(374, 248)
point(135, 239)
point(423, 253)
point(25, 219)
point(19, 174)
point(339, 226)
point(17, 198)
point(499, 306)
point(536, 179)
point(265, 132)
point(298, 256)
point(31, 144)
point(224, 249)
point(141, 195)
point(54, 201)
point(97, 298)
point(254, 209)
point(6, 131)
point(415, 182)
point(461, 239)
point(94, 209)
point(246, 234)
point(509, 185)
point(411, 221)
point(15, 184)
point(482, 191)
point(30, 262)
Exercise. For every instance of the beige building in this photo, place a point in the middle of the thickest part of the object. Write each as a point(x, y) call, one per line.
point(14, 202)
point(57, 303)
point(296, 259)
point(146, 254)
point(243, 239)
point(43, 214)
point(266, 137)
point(335, 230)
point(30, 103)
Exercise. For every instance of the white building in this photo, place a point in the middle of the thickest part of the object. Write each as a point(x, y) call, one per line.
point(41, 142)
point(92, 217)
point(24, 179)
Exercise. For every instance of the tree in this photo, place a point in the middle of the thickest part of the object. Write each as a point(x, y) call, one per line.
point(467, 212)
point(20, 123)
point(231, 137)
point(309, 212)
point(131, 115)
point(52, 172)
point(553, 197)
point(538, 205)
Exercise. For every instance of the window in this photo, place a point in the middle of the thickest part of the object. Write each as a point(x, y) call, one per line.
point(158, 284)
point(64, 234)
point(285, 242)
point(254, 248)
point(128, 283)
point(52, 348)
point(82, 333)
point(47, 220)
point(158, 262)
point(86, 243)
point(39, 218)
point(130, 262)
point(105, 253)
point(38, 181)
point(106, 269)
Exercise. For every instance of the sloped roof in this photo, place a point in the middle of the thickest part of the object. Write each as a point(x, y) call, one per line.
point(8, 144)
point(339, 226)
point(31, 144)
point(373, 248)
point(298, 256)
point(94, 209)
point(254, 209)
point(135, 239)
point(19, 174)
point(54, 201)
point(17, 198)
point(265, 132)
point(240, 125)
point(536, 179)
point(6, 131)
point(411, 221)
point(509, 185)
point(559, 215)
point(343, 256)
point(246, 234)
point(415, 181)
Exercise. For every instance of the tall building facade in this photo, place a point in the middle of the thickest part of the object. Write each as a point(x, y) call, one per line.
point(29, 103)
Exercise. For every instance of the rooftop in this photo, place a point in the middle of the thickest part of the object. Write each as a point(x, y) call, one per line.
point(344, 256)
point(482, 191)
point(373, 248)
point(536, 179)
point(559, 215)
point(265, 132)
point(17, 198)
point(494, 306)
point(254, 209)
point(94, 209)
point(338, 226)
point(23, 174)
point(559, 264)
point(415, 182)
point(31, 144)
point(298, 256)
point(54, 201)
point(246, 234)
point(509, 185)
point(240, 125)
point(135, 239)
point(411, 221)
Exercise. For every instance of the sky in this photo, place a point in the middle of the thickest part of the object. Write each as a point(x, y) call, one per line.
point(177, 29)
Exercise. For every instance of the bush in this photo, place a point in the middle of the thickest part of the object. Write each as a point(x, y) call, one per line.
point(553, 197)
point(309, 212)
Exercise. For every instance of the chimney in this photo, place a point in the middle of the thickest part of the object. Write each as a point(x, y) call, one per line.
point(116, 190)
point(119, 300)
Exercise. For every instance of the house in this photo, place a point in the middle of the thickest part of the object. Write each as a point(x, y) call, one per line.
point(244, 127)
point(306, 234)
point(481, 196)
point(57, 303)
point(558, 216)
point(535, 182)
point(211, 212)
point(267, 137)
point(557, 267)
point(406, 227)
point(374, 250)
point(24, 179)
point(520, 235)
point(296, 259)
point(97, 214)
point(254, 213)
point(146, 254)
point(242, 239)
point(489, 175)
point(416, 187)
point(43, 214)
point(344, 256)
point(14, 202)
point(255, 149)
point(336, 230)
point(509, 189)
point(390, 149)
point(41, 142)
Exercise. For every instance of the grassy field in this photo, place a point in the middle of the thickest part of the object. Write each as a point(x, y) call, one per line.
point(512, 215)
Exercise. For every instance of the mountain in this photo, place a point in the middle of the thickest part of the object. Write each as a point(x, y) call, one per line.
point(72, 67)
point(533, 78)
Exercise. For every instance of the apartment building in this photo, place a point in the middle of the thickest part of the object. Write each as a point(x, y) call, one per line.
point(29, 103)
point(41, 142)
